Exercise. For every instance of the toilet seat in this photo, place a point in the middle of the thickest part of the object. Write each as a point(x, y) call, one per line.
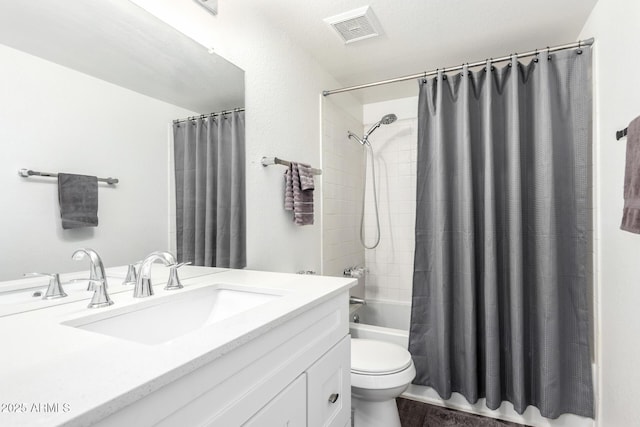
point(371, 357)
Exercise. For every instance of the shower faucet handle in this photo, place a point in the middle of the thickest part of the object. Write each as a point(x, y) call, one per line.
point(355, 272)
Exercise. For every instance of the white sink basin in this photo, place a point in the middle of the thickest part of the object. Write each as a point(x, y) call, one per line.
point(160, 320)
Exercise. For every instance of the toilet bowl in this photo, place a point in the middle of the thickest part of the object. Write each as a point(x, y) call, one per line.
point(380, 372)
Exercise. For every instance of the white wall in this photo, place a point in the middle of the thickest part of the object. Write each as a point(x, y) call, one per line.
point(58, 120)
point(342, 180)
point(390, 264)
point(283, 101)
point(614, 24)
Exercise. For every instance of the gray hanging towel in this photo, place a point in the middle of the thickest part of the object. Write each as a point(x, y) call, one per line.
point(306, 177)
point(78, 197)
point(298, 196)
point(631, 211)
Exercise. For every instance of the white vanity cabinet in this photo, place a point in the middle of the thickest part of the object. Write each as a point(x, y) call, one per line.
point(289, 408)
point(329, 387)
point(296, 373)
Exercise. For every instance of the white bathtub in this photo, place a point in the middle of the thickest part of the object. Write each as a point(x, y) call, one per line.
point(389, 321)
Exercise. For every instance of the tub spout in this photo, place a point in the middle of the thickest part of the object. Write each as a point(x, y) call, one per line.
point(356, 300)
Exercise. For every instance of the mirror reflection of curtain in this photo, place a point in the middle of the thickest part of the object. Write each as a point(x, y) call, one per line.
point(210, 190)
point(500, 288)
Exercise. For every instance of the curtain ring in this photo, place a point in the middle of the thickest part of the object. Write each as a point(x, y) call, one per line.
point(548, 53)
point(535, 58)
point(444, 76)
point(579, 47)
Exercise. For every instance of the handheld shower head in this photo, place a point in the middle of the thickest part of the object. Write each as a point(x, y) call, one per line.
point(385, 120)
point(388, 119)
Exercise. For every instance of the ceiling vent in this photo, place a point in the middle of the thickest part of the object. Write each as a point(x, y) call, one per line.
point(355, 25)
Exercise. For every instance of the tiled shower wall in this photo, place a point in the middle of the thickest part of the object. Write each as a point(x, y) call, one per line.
point(390, 264)
point(342, 178)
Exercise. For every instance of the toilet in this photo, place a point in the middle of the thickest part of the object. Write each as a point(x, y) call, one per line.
point(380, 372)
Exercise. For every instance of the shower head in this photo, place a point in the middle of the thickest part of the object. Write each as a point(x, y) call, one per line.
point(388, 119)
point(385, 120)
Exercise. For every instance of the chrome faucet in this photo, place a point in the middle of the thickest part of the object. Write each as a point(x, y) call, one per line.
point(96, 268)
point(144, 287)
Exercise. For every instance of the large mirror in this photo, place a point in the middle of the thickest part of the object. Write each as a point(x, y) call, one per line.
point(92, 87)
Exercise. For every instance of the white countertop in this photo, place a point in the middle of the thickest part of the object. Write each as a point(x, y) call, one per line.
point(83, 376)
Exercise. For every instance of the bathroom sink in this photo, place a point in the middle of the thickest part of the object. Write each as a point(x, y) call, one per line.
point(160, 320)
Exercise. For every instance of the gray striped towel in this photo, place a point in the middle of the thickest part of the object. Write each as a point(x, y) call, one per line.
point(298, 197)
point(631, 211)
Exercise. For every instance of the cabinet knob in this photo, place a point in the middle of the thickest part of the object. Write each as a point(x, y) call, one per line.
point(334, 397)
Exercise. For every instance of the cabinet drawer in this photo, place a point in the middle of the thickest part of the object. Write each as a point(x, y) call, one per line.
point(287, 409)
point(329, 387)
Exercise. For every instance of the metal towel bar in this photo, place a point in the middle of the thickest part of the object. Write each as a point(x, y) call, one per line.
point(26, 173)
point(266, 161)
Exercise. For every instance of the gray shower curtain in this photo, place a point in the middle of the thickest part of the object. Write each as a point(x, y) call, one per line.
point(209, 158)
point(502, 258)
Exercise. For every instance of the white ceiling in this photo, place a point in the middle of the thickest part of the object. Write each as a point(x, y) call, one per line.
point(423, 35)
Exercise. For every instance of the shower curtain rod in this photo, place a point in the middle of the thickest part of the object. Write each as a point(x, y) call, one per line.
point(425, 74)
point(202, 116)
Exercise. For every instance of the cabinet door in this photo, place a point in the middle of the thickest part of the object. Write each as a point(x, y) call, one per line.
point(287, 409)
point(329, 387)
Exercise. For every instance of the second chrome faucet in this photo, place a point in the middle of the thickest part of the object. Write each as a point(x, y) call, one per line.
point(144, 287)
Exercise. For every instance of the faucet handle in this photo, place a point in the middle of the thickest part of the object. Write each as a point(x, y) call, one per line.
point(355, 272)
point(100, 296)
point(174, 281)
point(132, 274)
point(54, 290)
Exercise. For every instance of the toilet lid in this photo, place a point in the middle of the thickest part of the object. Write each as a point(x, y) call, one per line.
point(374, 357)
